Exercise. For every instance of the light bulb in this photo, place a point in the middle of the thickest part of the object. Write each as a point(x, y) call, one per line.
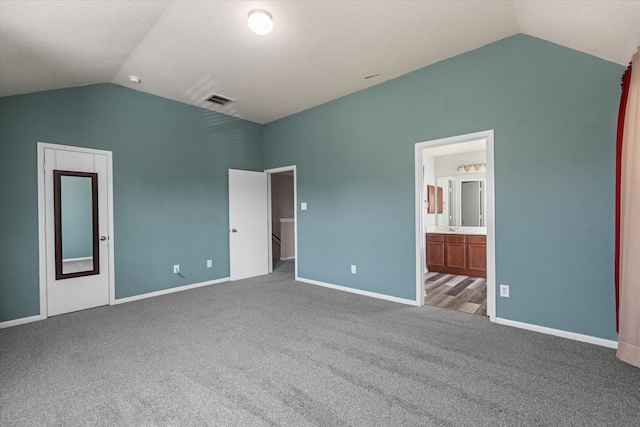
point(260, 21)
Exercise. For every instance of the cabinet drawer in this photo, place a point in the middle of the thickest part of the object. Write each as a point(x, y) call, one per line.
point(435, 237)
point(456, 238)
point(478, 240)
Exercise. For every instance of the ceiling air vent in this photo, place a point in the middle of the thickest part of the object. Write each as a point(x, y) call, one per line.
point(219, 99)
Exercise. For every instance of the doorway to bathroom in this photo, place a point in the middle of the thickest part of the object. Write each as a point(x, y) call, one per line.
point(455, 233)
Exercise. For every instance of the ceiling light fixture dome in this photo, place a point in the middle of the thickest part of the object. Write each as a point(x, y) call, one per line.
point(135, 79)
point(260, 21)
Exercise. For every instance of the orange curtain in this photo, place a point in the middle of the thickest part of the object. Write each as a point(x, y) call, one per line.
point(629, 221)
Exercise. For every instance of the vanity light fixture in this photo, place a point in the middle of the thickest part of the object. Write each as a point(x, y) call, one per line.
point(260, 21)
point(472, 167)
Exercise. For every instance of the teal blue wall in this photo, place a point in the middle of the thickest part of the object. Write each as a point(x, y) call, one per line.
point(554, 113)
point(76, 216)
point(170, 164)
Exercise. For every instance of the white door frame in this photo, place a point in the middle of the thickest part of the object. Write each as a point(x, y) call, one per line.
point(269, 172)
point(42, 255)
point(489, 214)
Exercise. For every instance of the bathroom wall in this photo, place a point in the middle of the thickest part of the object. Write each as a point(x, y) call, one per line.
point(448, 165)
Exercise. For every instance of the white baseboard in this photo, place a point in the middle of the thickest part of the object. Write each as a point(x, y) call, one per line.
point(559, 333)
point(169, 291)
point(21, 321)
point(358, 291)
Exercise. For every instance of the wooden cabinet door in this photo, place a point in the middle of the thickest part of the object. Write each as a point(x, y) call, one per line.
point(435, 252)
point(440, 210)
point(477, 253)
point(455, 251)
point(431, 199)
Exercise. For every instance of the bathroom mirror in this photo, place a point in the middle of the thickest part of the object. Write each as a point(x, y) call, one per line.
point(76, 223)
point(463, 201)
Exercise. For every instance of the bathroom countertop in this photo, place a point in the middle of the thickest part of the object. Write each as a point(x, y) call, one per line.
point(458, 230)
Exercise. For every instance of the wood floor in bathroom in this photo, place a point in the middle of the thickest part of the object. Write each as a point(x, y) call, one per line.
point(461, 293)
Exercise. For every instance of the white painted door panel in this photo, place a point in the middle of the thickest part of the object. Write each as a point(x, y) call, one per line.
point(76, 293)
point(248, 228)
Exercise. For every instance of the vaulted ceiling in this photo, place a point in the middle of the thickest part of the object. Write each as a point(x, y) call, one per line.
point(317, 52)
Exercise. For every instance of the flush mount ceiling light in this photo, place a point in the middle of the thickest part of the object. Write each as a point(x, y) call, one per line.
point(135, 79)
point(260, 21)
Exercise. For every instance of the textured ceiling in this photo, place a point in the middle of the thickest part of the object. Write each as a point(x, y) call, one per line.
point(317, 52)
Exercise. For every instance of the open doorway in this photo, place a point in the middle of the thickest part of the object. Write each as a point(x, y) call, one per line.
point(456, 260)
point(282, 221)
point(456, 272)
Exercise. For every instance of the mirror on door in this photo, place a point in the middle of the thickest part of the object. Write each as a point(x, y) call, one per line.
point(76, 224)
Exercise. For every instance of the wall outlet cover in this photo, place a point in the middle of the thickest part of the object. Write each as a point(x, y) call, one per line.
point(504, 291)
point(209, 263)
point(353, 269)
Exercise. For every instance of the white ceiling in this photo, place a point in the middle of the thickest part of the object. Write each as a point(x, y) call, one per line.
point(462, 147)
point(317, 52)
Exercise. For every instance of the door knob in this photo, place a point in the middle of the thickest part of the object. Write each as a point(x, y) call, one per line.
point(233, 230)
point(103, 237)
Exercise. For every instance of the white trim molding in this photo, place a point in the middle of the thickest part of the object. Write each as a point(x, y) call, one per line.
point(558, 333)
point(420, 249)
point(21, 321)
point(170, 290)
point(358, 291)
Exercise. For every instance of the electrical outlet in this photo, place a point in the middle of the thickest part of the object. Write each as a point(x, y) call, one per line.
point(504, 291)
point(209, 263)
point(176, 269)
point(353, 269)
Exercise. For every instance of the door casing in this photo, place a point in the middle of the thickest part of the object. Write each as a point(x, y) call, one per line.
point(42, 242)
point(489, 214)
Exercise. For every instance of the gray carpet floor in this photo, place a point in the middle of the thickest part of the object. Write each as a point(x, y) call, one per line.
point(271, 351)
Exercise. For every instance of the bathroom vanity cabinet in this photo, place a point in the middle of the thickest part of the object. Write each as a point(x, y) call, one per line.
point(464, 254)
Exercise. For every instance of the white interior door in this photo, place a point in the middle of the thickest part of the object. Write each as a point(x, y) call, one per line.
point(248, 224)
point(77, 249)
